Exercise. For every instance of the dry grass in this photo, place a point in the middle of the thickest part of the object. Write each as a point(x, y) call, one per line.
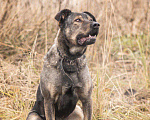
point(119, 60)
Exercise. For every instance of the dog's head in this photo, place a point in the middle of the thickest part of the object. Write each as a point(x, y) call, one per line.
point(79, 28)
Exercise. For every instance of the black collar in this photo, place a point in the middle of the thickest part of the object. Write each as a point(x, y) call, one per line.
point(67, 64)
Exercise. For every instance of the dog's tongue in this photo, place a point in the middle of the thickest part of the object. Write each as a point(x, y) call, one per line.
point(82, 40)
point(87, 40)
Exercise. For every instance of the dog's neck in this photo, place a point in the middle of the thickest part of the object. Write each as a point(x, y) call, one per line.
point(70, 52)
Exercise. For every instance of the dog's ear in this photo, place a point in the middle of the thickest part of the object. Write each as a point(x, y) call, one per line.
point(62, 15)
point(90, 15)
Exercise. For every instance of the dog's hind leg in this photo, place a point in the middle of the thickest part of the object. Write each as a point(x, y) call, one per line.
point(33, 116)
point(77, 114)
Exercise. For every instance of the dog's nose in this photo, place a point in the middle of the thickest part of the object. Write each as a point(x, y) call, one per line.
point(95, 25)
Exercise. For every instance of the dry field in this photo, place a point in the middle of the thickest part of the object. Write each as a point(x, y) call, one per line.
point(120, 59)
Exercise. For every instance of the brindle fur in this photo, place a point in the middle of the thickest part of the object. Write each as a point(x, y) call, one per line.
point(65, 77)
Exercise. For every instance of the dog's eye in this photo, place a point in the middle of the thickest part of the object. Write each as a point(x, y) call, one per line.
point(91, 19)
point(78, 20)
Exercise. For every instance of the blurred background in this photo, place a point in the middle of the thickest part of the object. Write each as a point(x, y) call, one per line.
point(119, 61)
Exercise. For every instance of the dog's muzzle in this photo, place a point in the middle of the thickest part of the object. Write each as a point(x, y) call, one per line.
point(90, 38)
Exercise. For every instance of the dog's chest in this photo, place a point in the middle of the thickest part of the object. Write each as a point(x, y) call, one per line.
point(67, 98)
point(69, 74)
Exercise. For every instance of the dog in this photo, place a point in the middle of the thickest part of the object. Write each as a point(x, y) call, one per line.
point(65, 77)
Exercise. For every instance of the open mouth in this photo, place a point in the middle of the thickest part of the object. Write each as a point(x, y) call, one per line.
point(86, 40)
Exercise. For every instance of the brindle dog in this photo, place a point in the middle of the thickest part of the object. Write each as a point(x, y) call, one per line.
point(65, 77)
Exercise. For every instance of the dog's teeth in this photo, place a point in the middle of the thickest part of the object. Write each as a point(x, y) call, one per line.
point(95, 36)
point(90, 36)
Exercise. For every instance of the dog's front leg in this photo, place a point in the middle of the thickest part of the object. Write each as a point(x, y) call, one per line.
point(87, 108)
point(85, 91)
point(49, 109)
